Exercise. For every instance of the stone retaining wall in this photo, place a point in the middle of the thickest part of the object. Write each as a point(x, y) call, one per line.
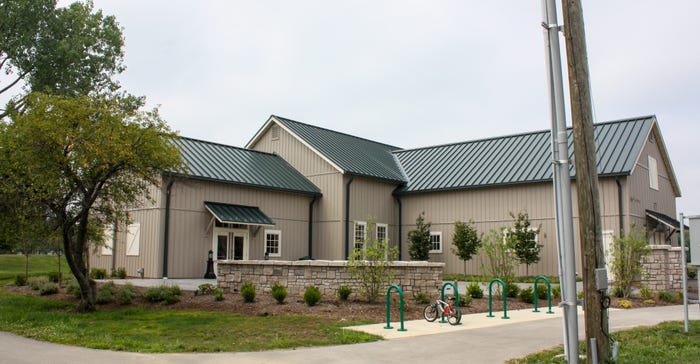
point(327, 275)
point(663, 269)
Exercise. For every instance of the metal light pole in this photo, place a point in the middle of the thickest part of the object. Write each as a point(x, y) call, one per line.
point(561, 182)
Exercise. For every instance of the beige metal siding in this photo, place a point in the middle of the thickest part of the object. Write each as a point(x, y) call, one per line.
point(373, 198)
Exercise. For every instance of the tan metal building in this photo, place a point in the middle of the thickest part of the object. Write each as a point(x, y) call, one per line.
point(339, 182)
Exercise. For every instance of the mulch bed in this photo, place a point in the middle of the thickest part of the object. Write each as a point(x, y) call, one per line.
point(329, 308)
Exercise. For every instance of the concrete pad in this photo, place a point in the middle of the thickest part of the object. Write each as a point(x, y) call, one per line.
point(468, 322)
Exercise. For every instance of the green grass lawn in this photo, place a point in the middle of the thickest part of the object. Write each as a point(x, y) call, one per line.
point(663, 343)
point(11, 265)
point(161, 331)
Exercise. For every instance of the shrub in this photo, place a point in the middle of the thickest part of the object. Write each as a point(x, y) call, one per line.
point(20, 280)
point(617, 291)
point(666, 296)
point(527, 295)
point(279, 293)
point(48, 288)
point(125, 295)
point(371, 266)
point(498, 259)
point(248, 292)
point(625, 304)
point(628, 252)
point(344, 292)
point(542, 291)
point(556, 291)
point(205, 289)
point(105, 294)
point(474, 290)
point(163, 294)
point(74, 288)
point(119, 273)
point(312, 295)
point(36, 282)
point(218, 294)
point(580, 295)
point(512, 290)
point(649, 302)
point(419, 240)
point(421, 298)
point(465, 300)
point(645, 292)
point(54, 277)
point(98, 273)
point(692, 272)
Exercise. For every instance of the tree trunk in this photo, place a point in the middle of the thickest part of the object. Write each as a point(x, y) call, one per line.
point(596, 318)
point(74, 253)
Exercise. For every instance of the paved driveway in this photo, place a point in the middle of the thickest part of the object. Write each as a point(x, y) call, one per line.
point(493, 344)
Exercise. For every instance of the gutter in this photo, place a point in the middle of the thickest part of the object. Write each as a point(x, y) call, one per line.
point(311, 223)
point(347, 217)
point(398, 200)
point(166, 227)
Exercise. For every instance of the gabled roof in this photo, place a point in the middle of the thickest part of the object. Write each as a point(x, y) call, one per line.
point(522, 158)
point(348, 154)
point(223, 163)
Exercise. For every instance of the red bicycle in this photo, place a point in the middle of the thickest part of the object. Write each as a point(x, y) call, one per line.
point(432, 311)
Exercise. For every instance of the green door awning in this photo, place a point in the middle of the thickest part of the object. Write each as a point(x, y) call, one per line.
point(237, 214)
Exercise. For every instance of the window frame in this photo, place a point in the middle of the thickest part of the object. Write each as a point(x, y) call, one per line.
point(133, 245)
point(355, 242)
point(386, 231)
point(653, 173)
point(279, 243)
point(438, 234)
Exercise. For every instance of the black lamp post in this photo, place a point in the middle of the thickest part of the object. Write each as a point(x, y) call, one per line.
point(210, 267)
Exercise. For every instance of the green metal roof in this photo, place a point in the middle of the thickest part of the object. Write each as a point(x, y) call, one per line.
point(223, 163)
point(237, 214)
point(354, 155)
point(518, 158)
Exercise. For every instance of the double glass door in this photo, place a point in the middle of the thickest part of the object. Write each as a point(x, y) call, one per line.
point(231, 245)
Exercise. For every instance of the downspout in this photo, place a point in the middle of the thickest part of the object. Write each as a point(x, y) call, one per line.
point(311, 223)
point(619, 204)
point(398, 200)
point(347, 217)
point(166, 227)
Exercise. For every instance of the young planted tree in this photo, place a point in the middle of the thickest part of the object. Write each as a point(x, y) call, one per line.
point(499, 261)
point(628, 253)
point(466, 241)
point(371, 266)
point(84, 160)
point(419, 239)
point(522, 238)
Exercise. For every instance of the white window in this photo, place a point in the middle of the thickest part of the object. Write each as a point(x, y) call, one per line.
point(360, 235)
point(275, 132)
point(273, 243)
point(133, 239)
point(382, 232)
point(653, 174)
point(107, 241)
point(436, 241)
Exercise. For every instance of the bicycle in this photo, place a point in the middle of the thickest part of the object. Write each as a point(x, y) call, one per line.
point(432, 311)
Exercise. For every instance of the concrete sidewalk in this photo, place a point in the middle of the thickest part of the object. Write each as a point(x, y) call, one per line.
point(502, 340)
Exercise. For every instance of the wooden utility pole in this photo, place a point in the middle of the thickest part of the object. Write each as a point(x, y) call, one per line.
point(596, 317)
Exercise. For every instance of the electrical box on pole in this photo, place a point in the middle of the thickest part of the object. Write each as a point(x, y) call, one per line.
point(694, 222)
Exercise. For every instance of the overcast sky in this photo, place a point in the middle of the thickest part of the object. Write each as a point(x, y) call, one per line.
point(407, 73)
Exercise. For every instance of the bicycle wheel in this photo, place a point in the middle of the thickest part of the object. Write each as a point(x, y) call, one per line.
point(455, 317)
point(430, 312)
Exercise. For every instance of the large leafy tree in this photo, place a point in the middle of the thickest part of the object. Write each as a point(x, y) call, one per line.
point(68, 51)
point(419, 239)
point(522, 238)
point(82, 160)
point(466, 241)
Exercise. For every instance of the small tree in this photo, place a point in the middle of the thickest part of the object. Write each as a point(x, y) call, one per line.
point(420, 239)
point(499, 260)
point(371, 266)
point(628, 253)
point(466, 241)
point(522, 238)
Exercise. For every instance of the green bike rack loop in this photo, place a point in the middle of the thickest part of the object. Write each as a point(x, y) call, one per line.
point(388, 307)
point(442, 297)
point(505, 301)
point(549, 293)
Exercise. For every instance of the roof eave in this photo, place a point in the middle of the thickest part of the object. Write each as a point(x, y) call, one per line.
point(280, 189)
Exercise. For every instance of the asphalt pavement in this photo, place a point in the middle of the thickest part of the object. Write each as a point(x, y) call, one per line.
point(478, 339)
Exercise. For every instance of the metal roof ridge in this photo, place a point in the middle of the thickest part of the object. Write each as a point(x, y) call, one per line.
point(336, 132)
point(227, 146)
